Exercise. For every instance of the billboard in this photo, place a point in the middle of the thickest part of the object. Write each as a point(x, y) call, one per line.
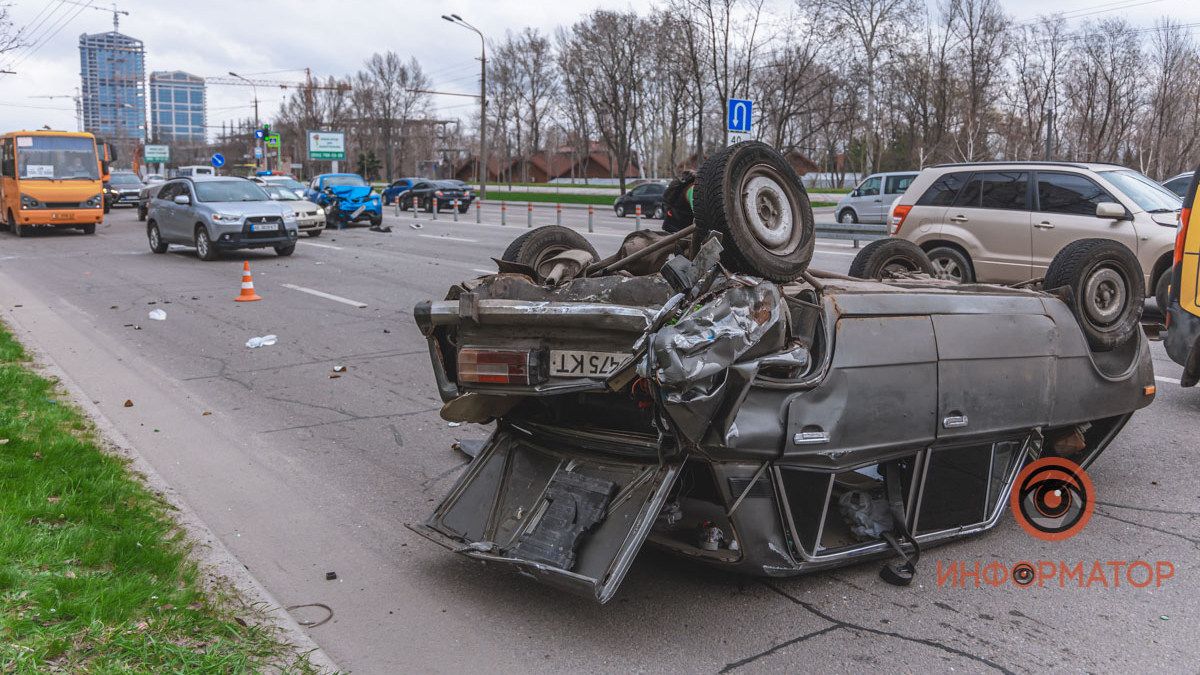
point(326, 145)
point(157, 154)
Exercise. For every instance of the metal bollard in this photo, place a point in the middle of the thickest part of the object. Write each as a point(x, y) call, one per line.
point(456, 210)
point(503, 213)
point(397, 206)
point(414, 208)
point(478, 211)
point(591, 214)
point(637, 213)
point(558, 214)
point(529, 215)
point(437, 206)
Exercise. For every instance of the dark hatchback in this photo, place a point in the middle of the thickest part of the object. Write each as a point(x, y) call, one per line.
point(439, 194)
point(649, 196)
point(122, 188)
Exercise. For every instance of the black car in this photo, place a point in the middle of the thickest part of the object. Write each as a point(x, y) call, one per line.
point(123, 187)
point(649, 196)
point(440, 194)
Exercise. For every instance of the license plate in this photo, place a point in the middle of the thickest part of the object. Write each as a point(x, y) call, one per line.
point(572, 363)
point(358, 212)
point(264, 227)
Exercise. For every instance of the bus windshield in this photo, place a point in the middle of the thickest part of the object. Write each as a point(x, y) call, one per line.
point(57, 158)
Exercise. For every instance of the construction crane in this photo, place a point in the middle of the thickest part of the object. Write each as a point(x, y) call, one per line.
point(117, 13)
point(78, 105)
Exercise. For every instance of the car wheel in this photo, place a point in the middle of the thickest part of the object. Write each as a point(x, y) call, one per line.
point(90, 228)
point(10, 223)
point(1162, 291)
point(429, 206)
point(951, 264)
point(376, 221)
point(154, 236)
point(658, 214)
point(619, 209)
point(313, 234)
point(463, 208)
point(540, 244)
point(142, 213)
point(889, 258)
point(285, 251)
point(752, 195)
point(847, 217)
point(204, 246)
point(1106, 289)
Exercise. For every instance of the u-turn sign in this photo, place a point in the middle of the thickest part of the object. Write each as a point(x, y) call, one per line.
point(739, 115)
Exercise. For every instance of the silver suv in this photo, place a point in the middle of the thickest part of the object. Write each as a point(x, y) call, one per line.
point(217, 214)
point(870, 201)
point(1003, 222)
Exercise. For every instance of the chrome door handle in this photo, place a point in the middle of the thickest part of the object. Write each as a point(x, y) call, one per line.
point(955, 422)
point(810, 438)
point(959, 219)
point(1044, 225)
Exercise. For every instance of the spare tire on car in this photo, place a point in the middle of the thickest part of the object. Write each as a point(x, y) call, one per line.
point(1107, 291)
point(887, 258)
point(751, 195)
point(541, 244)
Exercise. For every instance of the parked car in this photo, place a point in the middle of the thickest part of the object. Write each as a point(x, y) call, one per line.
point(217, 214)
point(439, 194)
point(145, 196)
point(716, 409)
point(870, 200)
point(122, 189)
point(1003, 222)
point(356, 200)
point(1183, 303)
point(152, 178)
point(648, 195)
point(1180, 184)
point(397, 188)
point(310, 218)
point(286, 182)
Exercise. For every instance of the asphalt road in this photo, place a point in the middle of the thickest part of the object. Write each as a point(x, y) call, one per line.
point(301, 474)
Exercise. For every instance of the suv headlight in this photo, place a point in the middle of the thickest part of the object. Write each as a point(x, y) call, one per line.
point(225, 217)
point(28, 202)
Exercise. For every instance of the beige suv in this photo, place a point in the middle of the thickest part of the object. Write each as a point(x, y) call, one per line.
point(1003, 222)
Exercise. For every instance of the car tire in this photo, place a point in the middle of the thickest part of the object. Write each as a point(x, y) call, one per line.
point(313, 234)
point(204, 246)
point(1106, 290)
point(951, 264)
point(143, 213)
point(154, 237)
point(847, 217)
point(429, 206)
point(885, 258)
point(285, 251)
point(376, 221)
point(20, 230)
point(90, 228)
point(659, 213)
point(463, 208)
point(775, 240)
point(619, 209)
point(542, 243)
point(1162, 289)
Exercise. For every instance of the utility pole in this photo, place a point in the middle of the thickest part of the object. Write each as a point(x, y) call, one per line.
point(259, 142)
point(483, 148)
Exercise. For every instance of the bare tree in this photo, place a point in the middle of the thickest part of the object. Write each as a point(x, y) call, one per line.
point(399, 96)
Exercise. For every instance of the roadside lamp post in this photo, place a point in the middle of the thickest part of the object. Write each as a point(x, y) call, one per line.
point(483, 148)
point(253, 88)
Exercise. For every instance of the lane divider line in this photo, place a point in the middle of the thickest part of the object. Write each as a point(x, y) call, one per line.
point(1160, 378)
point(313, 243)
point(327, 296)
point(435, 236)
point(483, 271)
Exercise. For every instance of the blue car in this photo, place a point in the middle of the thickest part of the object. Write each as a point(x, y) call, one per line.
point(397, 188)
point(356, 201)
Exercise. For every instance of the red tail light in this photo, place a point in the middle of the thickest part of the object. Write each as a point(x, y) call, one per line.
point(502, 366)
point(899, 213)
point(1185, 216)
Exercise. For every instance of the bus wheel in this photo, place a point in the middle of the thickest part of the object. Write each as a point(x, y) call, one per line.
point(90, 228)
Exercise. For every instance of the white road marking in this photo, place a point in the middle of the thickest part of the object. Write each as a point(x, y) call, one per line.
point(482, 271)
point(327, 296)
point(436, 236)
point(821, 250)
point(311, 243)
point(1166, 379)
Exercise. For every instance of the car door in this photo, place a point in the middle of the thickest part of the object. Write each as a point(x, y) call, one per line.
point(868, 200)
point(1066, 212)
point(162, 210)
point(990, 217)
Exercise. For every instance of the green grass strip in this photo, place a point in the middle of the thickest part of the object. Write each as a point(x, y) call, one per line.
point(94, 575)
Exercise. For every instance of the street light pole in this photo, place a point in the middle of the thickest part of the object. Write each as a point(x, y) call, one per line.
point(483, 148)
point(258, 142)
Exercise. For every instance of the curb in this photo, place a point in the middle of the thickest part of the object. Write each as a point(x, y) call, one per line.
point(212, 555)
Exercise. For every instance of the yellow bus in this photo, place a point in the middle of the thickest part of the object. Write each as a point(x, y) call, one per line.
point(50, 179)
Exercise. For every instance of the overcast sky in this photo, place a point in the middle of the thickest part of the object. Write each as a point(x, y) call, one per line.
point(212, 37)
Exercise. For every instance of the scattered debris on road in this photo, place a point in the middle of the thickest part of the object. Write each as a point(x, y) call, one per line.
point(470, 447)
point(330, 576)
point(264, 341)
point(128, 403)
point(158, 315)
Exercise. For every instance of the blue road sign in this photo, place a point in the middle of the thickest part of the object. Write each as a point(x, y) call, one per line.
point(739, 115)
point(218, 160)
point(259, 133)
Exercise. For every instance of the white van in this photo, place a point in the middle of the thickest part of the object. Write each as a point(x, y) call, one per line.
point(195, 170)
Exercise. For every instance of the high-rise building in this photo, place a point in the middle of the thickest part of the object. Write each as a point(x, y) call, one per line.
point(112, 67)
point(177, 105)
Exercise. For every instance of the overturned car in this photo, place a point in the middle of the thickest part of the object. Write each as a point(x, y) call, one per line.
point(706, 392)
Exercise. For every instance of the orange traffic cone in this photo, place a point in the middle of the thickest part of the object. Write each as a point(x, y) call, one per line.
point(247, 294)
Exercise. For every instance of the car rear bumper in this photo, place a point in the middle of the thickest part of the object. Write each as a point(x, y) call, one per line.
point(1183, 343)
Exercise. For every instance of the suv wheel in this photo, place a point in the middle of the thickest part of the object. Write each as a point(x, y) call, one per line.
point(143, 212)
point(204, 246)
point(619, 209)
point(658, 213)
point(950, 264)
point(847, 217)
point(1106, 289)
point(153, 235)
